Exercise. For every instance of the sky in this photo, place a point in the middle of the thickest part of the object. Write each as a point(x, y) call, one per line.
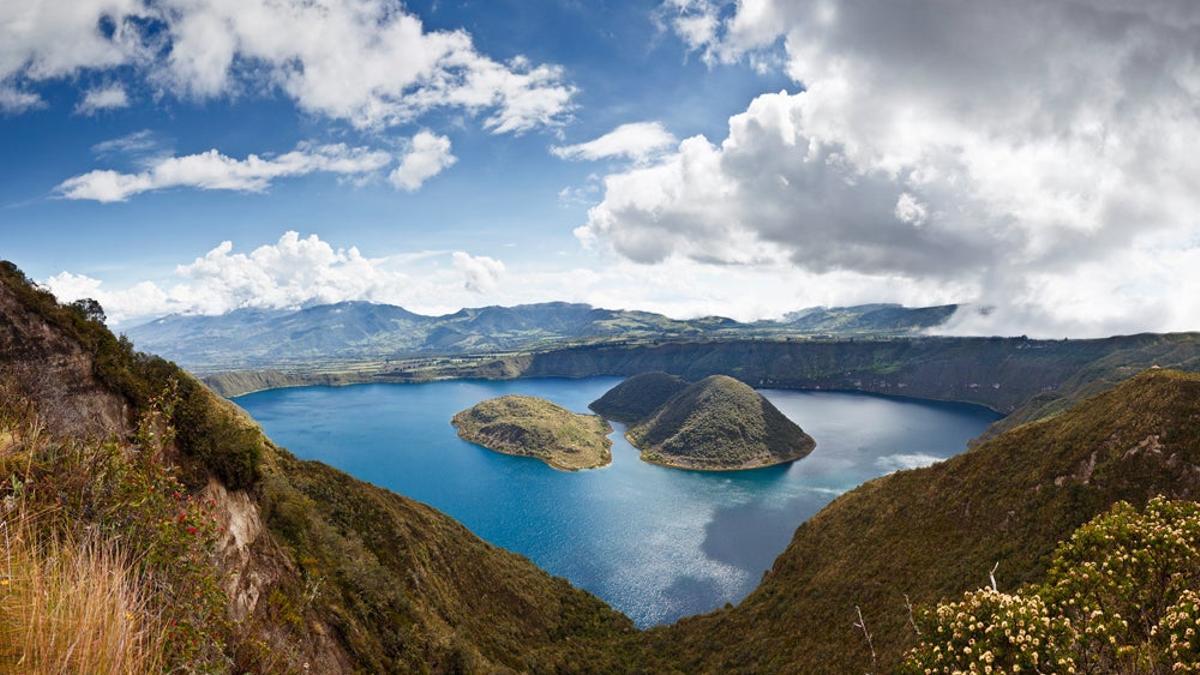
point(1032, 159)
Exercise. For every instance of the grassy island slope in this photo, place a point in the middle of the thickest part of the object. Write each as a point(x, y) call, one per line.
point(637, 397)
point(532, 427)
point(720, 423)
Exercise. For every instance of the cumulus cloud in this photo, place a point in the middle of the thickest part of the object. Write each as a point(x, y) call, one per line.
point(1023, 151)
point(428, 155)
point(368, 62)
point(108, 97)
point(299, 270)
point(636, 141)
point(212, 170)
point(480, 273)
point(292, 272)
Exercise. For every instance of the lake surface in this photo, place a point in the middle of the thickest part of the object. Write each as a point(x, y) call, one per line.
point(656, 543)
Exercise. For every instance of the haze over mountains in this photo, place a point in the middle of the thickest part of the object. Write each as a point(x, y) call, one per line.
point(363, 330)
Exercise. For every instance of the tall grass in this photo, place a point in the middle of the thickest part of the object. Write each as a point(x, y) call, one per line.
point(72, 604)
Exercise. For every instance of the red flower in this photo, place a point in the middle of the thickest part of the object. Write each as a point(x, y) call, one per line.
point(191, 529)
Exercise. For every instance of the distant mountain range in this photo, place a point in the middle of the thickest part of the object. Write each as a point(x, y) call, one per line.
point(364, 330)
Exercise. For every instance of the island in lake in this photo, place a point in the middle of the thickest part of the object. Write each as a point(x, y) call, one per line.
point(716, 424)
point(528, 426)
point(638, 397)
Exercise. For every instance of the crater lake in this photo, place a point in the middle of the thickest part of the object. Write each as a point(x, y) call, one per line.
point(656, 543)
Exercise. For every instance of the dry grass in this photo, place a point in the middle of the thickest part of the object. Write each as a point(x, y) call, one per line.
point(70, 605)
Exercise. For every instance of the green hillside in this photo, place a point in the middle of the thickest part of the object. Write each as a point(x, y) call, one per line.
point(313, 566)
point(936, 532)
point(528, 426)
point(637, 397)
point(719, 424)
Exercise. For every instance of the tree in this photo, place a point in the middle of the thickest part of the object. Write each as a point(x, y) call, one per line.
point(89, 309)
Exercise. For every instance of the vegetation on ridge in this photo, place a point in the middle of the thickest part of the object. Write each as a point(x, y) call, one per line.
point(638, 396)
point(528, 426)
point(323, 573)
point(721, 424)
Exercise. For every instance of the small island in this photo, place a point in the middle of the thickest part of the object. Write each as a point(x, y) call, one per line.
point(528, 426)
point(719, 424)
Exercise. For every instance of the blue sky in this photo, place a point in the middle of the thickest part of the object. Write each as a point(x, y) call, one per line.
point(625, 67)
point(749, 158)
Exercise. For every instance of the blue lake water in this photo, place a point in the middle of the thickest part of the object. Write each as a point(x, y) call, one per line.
point(656, 543)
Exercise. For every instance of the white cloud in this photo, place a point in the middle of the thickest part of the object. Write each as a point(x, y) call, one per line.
point(636, 141)
point(428, 155)
point(480, 273)
point(212, 170)
point(108, 97)
point(16, 101)
point(1031, 154)
point(141, 299)
point(902, 461)
point(368, 62)
point(696, 22)
point(294, 271)
point(134, 143)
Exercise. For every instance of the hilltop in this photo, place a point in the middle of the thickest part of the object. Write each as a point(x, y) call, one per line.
point(719, 423)
point(637, 397)
point(256, 338)
point(528, 426)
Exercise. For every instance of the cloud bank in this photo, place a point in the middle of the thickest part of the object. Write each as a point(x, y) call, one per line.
point(1032, 153)
point(368, 62)
point(301, 270)
point(293, 272)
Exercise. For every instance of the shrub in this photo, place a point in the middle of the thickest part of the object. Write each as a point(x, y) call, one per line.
point(1119, 596)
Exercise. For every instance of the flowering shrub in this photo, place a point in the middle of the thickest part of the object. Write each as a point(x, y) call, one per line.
point(1119, 596)
point(988, 631)
point(1179, 632)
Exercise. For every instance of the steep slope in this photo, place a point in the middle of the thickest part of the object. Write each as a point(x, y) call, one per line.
point(719, 424)
point(320, 572)
point(935, 532)
point(528, 426)
point(637, 397)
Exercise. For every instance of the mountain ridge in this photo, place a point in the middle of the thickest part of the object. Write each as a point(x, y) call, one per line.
point(363, 330)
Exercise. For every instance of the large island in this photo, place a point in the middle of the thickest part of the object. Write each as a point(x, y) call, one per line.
point(716, 424)
point(528, 426)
